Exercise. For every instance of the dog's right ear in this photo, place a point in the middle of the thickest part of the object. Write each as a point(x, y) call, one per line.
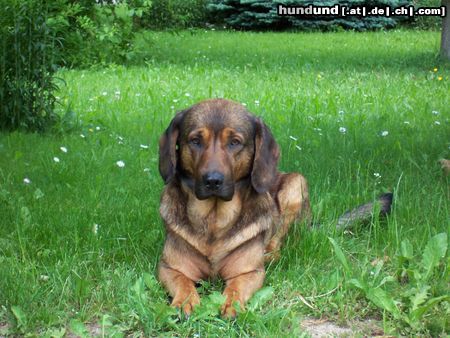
point(168, 152)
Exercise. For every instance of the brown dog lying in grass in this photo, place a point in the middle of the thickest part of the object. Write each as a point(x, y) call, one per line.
point(225, 205)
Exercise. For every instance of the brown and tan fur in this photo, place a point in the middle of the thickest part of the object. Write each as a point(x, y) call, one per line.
point(225, 206)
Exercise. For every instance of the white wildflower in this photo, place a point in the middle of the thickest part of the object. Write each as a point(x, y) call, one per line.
point(95, 228)
point(105, 93)
point(293, 138)
point(342, 130)
point(437, 123)
point(257, 102)
point(120, 164)
point(143, 146)
point(434, 112)
point(146, 170)
point(384, 133)
point(43, 278)
point(298, 147)
point(26, 180)
point(56, 159)
point(63, 149)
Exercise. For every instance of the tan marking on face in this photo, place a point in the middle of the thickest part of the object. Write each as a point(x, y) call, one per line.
point(241, 159)
point(203, 133)
point(190, 158)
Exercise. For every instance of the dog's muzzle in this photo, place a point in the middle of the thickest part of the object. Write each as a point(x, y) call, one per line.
point(214, 184)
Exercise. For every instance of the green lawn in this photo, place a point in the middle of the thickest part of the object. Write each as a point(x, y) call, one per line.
point(357, 113)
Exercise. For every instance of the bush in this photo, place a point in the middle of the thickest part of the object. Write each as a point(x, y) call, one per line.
point(427, 22)
point(176, 14)
point(262, 14)
point(96, 32)
point(27, 66)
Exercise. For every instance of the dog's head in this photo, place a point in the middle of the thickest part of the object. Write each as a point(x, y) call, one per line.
point(215, 144)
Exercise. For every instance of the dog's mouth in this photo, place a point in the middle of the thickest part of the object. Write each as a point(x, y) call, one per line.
point(203, 192)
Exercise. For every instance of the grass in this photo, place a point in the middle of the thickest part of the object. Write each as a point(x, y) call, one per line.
point(79, 245)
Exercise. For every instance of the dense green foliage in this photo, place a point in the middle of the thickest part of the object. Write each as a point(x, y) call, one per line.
point(262, 14)
point(96, 33)
point(175, 14)
point(27, 64)
point(426, 22)
point(103, 32)
point(81, 237)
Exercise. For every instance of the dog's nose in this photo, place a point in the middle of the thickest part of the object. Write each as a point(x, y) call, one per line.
point(213, 181)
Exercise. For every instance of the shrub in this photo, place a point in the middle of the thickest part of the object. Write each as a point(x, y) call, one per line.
point(262, 14)
point(176, 14)
point(96, 32)
point(27, 66)
point(427, 22)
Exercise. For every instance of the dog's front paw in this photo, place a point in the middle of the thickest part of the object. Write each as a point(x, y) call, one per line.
point(186, 303)
point(232, 301)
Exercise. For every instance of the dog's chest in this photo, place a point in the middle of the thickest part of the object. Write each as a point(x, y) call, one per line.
point(212, 218)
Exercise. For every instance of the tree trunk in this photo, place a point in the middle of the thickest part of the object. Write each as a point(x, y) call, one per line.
point(445, 39)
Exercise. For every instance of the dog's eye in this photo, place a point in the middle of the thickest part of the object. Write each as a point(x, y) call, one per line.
point(235, 142)
point(195, 141)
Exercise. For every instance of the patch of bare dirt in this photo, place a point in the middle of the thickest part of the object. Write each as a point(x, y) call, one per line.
point(4, 328)
point(323, 328)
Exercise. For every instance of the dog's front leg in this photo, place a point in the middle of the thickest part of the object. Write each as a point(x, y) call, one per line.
point(181, 288)
point(243, 272)
point(240, 289)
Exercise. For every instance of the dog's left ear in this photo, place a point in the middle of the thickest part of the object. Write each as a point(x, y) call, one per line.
point(168, 148)
point(265, 162)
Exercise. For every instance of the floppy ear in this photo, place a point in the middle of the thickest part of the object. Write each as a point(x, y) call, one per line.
point(266, 158)
point(168, 152)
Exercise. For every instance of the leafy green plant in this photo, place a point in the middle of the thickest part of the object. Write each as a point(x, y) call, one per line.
point(27, 66)
point(96, 32)
point(412, 295)
point(426, 22)
point(170, 14)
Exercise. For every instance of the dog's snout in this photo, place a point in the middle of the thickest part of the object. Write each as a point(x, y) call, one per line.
point(213, 181)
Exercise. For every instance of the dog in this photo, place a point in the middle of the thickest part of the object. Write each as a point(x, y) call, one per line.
point(225, 206)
